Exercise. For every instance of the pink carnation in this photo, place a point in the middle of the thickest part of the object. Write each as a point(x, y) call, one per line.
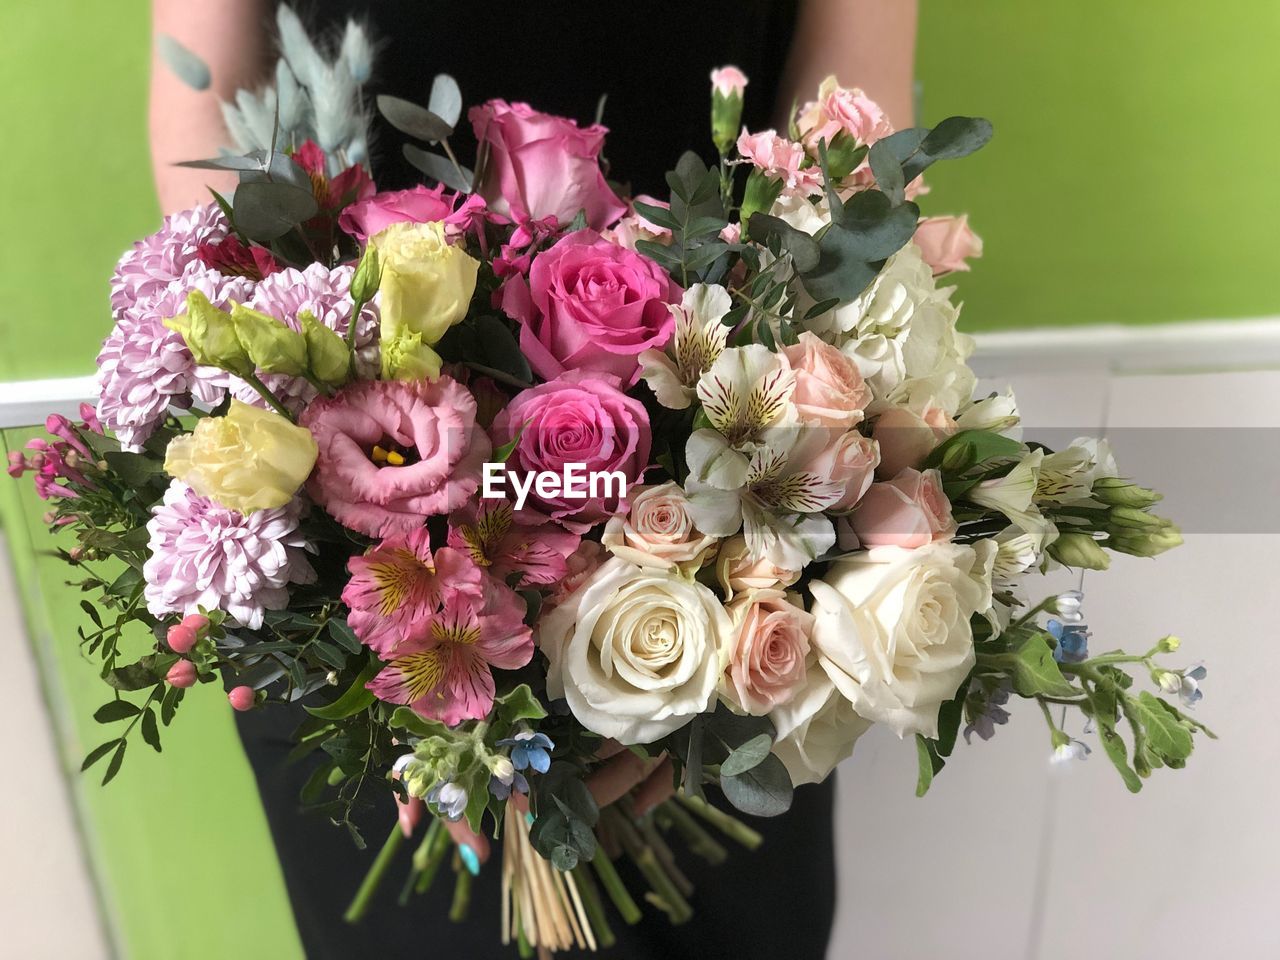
point(591, 305)
point(144, 367)
point(579, 418)
point(781, 158)
point(393, 453)
point(417, 205)
point(147, 269)
point(204, 555)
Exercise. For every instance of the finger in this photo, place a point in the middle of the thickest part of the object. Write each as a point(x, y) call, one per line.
point(609, 748)
point(410, 813)
point(616, 778)
point(466, 838)
point(657, 787)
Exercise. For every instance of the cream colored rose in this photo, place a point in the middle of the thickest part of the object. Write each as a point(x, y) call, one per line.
point(425, 289)
point(251, 459)
point(892, 629)
point(816, 729)
point(635, 651)
point(737, 569)
point(658, 532)
point(765, 658)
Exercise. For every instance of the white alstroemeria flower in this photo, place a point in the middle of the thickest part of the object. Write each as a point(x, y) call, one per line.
point(1016, 552)
point(746, 392)
point(697, 343)
point(1014, 495)
point(778, 505)
point(1066, 476)
point(997, 413)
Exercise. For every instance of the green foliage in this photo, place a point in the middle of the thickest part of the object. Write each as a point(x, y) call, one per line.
point(695, 220)
point(565, 815)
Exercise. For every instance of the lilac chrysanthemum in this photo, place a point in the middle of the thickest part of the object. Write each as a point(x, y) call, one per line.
point(204, 555)
point(147, 269)
point(326, 294)
point(144, 366)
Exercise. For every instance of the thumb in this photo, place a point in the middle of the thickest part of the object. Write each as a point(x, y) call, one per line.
point(472, 846)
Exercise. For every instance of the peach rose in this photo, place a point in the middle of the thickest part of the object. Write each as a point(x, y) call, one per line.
point(766, 653)
point(946, 243)
point(581, 564)
point(909, 511)
point(850, 460)
point(829, 389)
point(906, 437)
point(737, 570)
point(658, 532)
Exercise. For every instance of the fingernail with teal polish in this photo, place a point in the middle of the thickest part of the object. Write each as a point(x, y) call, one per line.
point(528, 818)
point(469, 859)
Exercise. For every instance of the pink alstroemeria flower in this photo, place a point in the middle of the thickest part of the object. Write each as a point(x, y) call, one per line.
point(505, 543)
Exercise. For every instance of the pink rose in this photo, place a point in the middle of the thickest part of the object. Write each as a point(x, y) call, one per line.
point(906, 436)
point(849, 460)
point(579, 418)
point(579, 567)
point(946, 243)
point(737, 570)
point(393, 453)
point(829, 389)
point(765, 660)
point(658, 531)
point(538, 165)
point(366, 218)
point(909, 511)
point(591, 305)
point(634, 227)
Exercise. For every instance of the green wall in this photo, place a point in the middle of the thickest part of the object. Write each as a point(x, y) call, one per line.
point(1128, 181)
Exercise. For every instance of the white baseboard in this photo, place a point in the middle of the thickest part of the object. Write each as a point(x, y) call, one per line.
point(1199, 347)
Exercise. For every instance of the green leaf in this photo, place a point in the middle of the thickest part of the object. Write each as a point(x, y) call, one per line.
point(133, 468)
point(150, 732)
point(97, 753)
point(186, 66)
point(416, 121)
point(888, 171)
point(499, 348)
point(1166, 734)
point(917, 148)
point(519, 704)
point(532, 605)
point(116, 710)
point(446, 99)
point(438, 168)
point(117, 758)
point(658, 216)
point(1102, 701)
point(949, 717)
point(406, 719)
point(1035, 672)
point(268, 209)
point(748, 756)
point(968, 448)
point(763, 791)
point(802, 247)
point(344, 636)
point(355, 699)
point(930, 764)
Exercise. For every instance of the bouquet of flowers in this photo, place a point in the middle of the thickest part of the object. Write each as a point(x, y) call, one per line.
point(500, 476)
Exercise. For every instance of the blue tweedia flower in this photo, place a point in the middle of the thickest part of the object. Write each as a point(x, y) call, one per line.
point(1190, 692)
point(529, 750)
point(1072, 641)
point(993, 712)
point(448, 799)
point(502, 789)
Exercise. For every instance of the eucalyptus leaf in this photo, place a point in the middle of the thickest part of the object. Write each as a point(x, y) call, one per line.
point(763, 791)
point(748, 756)
point(446, 99)
point(499, 348)
point(888, 172)
point(186, 66)
point(803, 248)
point(416, 121)
point(266, 210)
point(439, 168)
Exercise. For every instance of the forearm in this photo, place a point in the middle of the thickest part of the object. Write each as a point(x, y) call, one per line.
point(185, 124)
point(865, 43)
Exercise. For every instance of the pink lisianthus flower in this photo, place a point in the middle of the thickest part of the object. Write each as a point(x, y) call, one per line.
point(580, 418)
point(370, 216)
point(541, 165)
point(397, 586)
point(505, 543)
point(782, 159)
point(466, 623)
point(591, 305)
point(392, 453)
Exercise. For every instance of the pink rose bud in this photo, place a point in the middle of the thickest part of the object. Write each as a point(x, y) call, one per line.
point(241, 698)
point(196, 621)
point(946, 243)
point(181, 674)
point(181, 638)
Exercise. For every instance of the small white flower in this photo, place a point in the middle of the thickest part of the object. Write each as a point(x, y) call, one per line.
point(1071, 750)
point(997, 413)
point(1014, 495)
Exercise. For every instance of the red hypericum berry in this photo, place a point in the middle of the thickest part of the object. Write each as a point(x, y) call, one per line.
point(181, 638)
point(241, 698)
point(181, 674)
point(196, 621)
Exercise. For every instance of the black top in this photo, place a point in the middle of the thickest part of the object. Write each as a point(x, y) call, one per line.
point(651, 59)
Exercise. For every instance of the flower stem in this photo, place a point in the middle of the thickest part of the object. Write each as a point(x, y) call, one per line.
point(614, 886)
point(698, 840)
point(664, 892)
point(461, 897)
point(373, 879)
point(252, 380)
point(594, 906)
point(498, 375)
point(729, 825)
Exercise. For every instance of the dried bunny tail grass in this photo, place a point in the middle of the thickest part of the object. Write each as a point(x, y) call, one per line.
point(356, 52)
point(540, 904)
point(297, 48)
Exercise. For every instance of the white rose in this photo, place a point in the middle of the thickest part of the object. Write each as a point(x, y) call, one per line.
point(816, 729)
point(658, 531)
point(892, 629)
point(635, 651)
